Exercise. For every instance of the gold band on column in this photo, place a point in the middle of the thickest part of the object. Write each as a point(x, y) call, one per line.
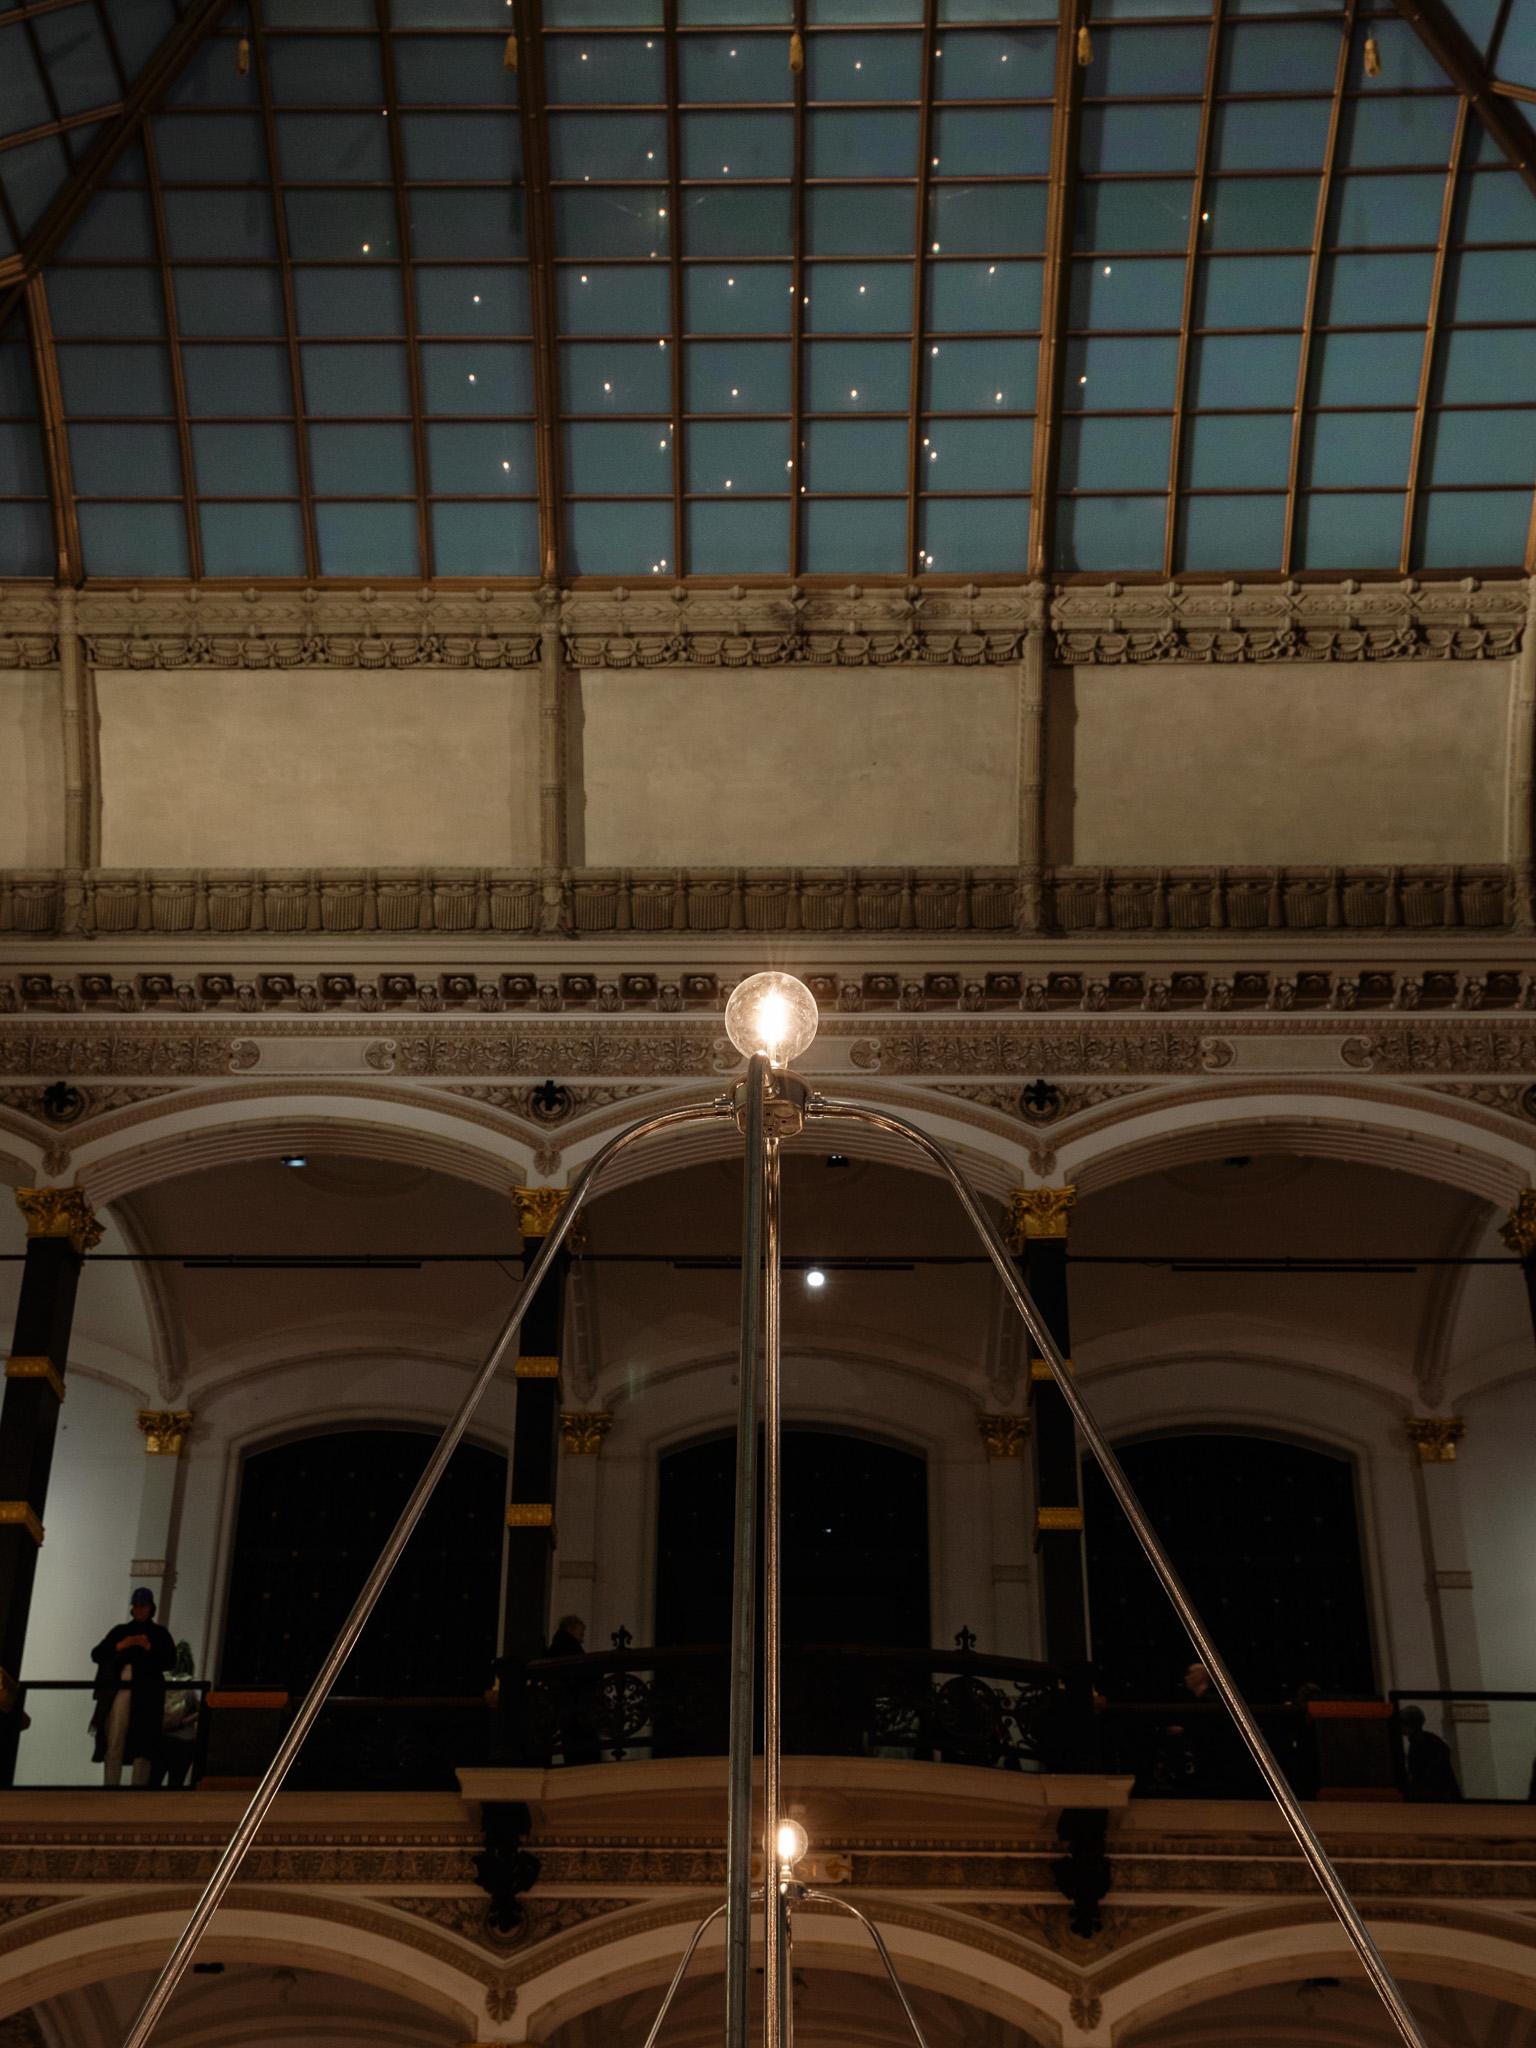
point(531, 1514)
point(1058, 1518)
point(536, 1369)
point(35, 1369)
point(60, 1212)
point(1038, 1212)
point(23, 1515)
point(1039, 1370)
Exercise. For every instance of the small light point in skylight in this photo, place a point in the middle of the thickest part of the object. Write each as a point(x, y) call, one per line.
point(471, 376)
point(727, 483)
point(506, 465)
point(991, 270)
point(607, 387)
point(935, 248)
point(997, 398)
point(366, 247)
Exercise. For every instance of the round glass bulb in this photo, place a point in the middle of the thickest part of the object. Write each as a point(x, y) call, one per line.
point(773, 1014)
point(793, 1842)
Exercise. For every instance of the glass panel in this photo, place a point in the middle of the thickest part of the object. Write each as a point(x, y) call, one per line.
point(995, 63)
point(1481, 448)
point(1405, 61)
point(607, 70)
point(618, 458)
point(1363, 290)
point(1296, 56)
point(367, 540)
point(1251, 291)
point(461, 148)
point(1110, 533)
point(1350, 530)
point(1476, 18)
point(991, 141)
point(1129, 138)
point(1244, 370)
point(220, 224)
point(115, 228)
point(125, 462)
point(26, 540)
point(252, 540)
point(211, 77)
point(1366, 369)
point(213, 149)
point(847, 376)
point(325, 225)
point(1144, 61)
point(731, 68)
point(26, 102)
point(1141, 214)
point(821, 12)
point(738, 457)
point(1103, 374)
point(859, 298)
point(1237, 452)
point(1231, 532)
point(133, 540)
point(1473, 529)
point(613, 224)
point(1347, 450)
point(1387, 212)
point(323, 71)
point(1129, 293)
point(1482, 368)
point(1105, 455)
point(860, 536)
point(21, 458)
point(234, 301)
point(362, 462)
point(840, 144)
point(357, 378)
point(986, 220)
point(737, 145)
point(117, 301)
point(115, 380)
point(1517, 47)
point(963, 297)
point(1259, 213)
point(17, 395)
point(33, 173)
point(708, 12)
point(603, 13)
point(858, 67)
point(617, 299)
point(236, 461)
point(607, 145)
point(752, 300)
point(855, 455)
point(278, 14)
point(752, 221)
point(619, 540)
point(995, 10)
point(447, 13)
point(1278, 135)
point(977, 455)
point(485, 540)
point(1145, 9)
point(859, 220)
point(980, 376)
point(480, 377)
point(615, 377)
point(238, 381)
point(478, 301)
point(448, 223)
point(742, 377)
point(140, 27)
point(494, 455)
point(1494, 207)
point(334, 145)
point(76, 58)
point(987, 535)
point(1398, 131)
point(1488, 284)
point(464, 71)
point(747, 539)
point(356, 301)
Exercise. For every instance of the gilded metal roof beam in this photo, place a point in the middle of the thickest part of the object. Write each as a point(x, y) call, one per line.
point(1055, 282)
point(531, 103)
point(1453, 50)
point(50, 405)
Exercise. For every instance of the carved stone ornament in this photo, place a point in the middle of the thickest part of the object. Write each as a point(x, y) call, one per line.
point(538, 1209)
point(60, 1212)
point(165, 1430)
point(1039, 1212)
point(1087, 2010)
point(582, 1431)
point(1519, 1233)
point(1435, 1437)
point(1004, 1435)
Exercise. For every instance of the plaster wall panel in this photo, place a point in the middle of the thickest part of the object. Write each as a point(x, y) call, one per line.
point(230, 769)
point(1308, 764)
point(718, 767)
point(31, 770)
point(1499, 1510)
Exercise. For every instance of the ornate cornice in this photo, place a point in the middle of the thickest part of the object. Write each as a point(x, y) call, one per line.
point(60, 1212)
point(538, 1209)
point(1039, 1212)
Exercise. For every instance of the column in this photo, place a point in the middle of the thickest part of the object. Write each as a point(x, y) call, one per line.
point(60, 1230)
point(1006, 1438)
point(1039, 1227)
point(165, 1432)
point(1519, 1233)
point(531, 1513)
point(1449, 1591)
point(582, 1434)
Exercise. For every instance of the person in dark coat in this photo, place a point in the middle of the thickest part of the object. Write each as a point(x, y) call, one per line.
point(1431, 1773)
point(131, 1662)
point(578, 1734)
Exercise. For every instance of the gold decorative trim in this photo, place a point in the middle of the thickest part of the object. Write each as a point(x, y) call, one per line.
point(1519, 1233)
point(1004, 1435)
point(538, 1209)
point(24, 1514)
point(1038, 1212)
point(536, 1369)
point(582, 1431)
point(1059, 1518)
point(60, 1212)
point(36, 1369)
point(165, 1430)
point(1039, 1370)
point(531, 1514)
point(1435, 1437)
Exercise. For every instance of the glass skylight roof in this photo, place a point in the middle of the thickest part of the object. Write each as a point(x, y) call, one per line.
point(753, 288)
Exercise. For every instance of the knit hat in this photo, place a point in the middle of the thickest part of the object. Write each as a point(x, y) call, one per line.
point(141, 1596)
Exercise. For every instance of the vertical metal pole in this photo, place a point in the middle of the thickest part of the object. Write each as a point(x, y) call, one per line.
point(775, 2005)
point(738, 1820)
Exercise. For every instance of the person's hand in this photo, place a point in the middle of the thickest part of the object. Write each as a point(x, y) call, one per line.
point(133, 1643)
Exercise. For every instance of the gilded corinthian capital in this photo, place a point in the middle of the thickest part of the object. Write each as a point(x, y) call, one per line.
point(1039, 1212)
point(538, 1209)
point(60, 1212)
point(1435, 1437)
point(1519, 1233)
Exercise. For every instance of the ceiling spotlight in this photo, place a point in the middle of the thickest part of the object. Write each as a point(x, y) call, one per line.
point(771, 1014)
point(814, 1277)
point(294, 1159)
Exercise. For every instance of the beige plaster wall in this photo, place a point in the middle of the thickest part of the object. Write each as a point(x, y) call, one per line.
point(240, 770)
point(1396, 762)
point(31, 770)
point(716, 767)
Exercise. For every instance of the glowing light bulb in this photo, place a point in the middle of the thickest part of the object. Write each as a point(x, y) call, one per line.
point(471, 376)
point(506, 465)
point(997, 398)
point(1107, 268)
point(815, 1279)
point(476, 299)
point(853, 394)
point(792, 1841)
point(863, 288)
point(991, 270)
point(583, 277)
point(730, 280)
point(771, 1014)
point(366, 247)
point(727, 483)
point(607, 387)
